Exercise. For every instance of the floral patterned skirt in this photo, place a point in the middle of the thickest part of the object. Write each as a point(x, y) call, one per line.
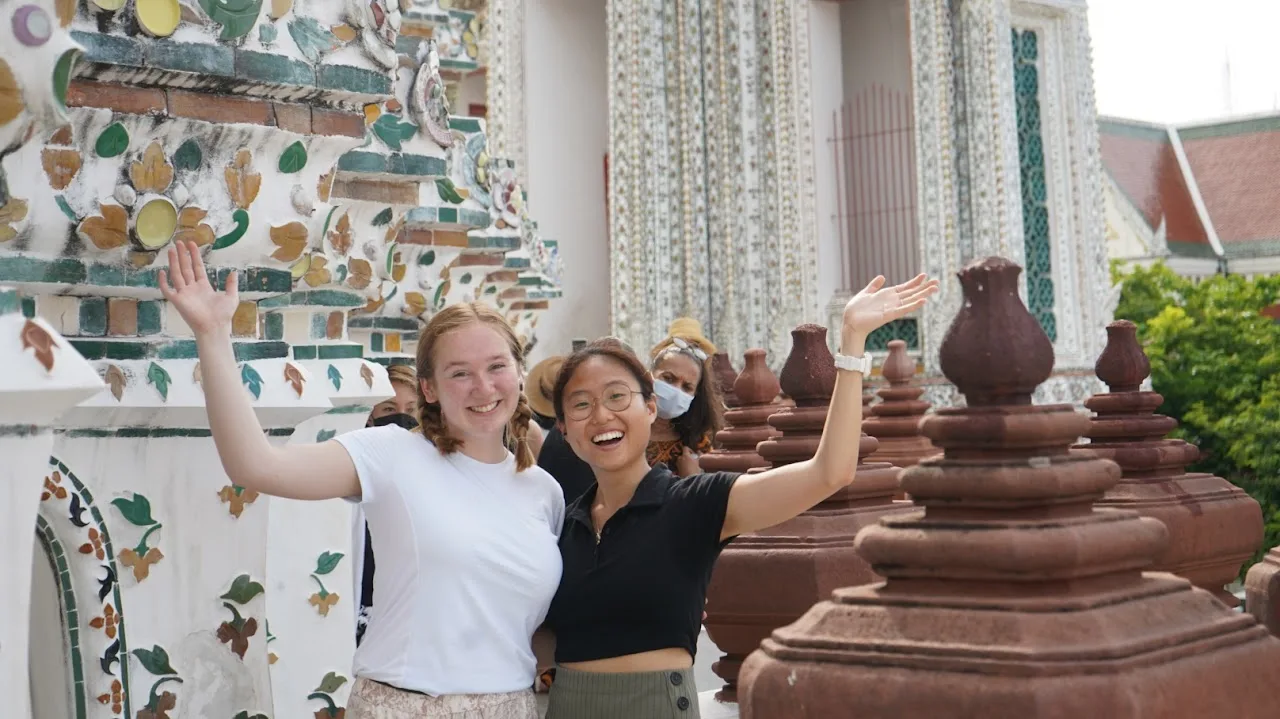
point(374, 700)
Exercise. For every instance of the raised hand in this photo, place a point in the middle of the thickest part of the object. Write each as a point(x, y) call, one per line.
point(877, 305)
point(205, 309)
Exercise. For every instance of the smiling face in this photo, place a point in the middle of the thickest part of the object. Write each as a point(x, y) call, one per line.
point(607, 439)
point(680, 371)
point(475, 380)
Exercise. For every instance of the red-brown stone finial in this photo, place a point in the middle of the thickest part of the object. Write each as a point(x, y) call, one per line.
point(995, 352)
point(757, 384)
point(768, 578)
point(1007, 594)
point(898, 368)
point(809, 374)
point(725, 376)
point(895, 421)
point(1123, 365)
point(1214, 526)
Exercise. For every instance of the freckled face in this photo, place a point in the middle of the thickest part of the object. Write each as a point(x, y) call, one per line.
point(475, 380)
point(607, 438)
point(680, 371)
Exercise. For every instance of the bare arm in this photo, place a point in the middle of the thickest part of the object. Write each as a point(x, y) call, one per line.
point(319, 471)
point(762, 500)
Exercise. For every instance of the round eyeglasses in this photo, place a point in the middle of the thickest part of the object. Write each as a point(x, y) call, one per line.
point(616, 398)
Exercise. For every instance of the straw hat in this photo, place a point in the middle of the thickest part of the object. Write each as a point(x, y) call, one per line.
point(540, 383)
point(689, 330)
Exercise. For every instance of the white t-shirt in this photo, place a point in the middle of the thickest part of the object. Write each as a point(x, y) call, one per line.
point(467, 564)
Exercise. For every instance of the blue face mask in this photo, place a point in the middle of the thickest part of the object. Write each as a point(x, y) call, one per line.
point(672, 402)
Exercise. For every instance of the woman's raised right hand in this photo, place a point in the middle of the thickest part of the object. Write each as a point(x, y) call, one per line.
point(203, 308)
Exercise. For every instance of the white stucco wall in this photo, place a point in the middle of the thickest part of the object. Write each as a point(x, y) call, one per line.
point(566, 94)
point(827, 81)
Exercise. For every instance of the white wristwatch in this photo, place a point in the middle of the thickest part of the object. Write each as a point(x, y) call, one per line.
point(854, 364)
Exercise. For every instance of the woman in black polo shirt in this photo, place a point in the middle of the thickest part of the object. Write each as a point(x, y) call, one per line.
point(638, 546)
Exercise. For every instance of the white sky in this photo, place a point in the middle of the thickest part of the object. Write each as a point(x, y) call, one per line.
point(1165, 60)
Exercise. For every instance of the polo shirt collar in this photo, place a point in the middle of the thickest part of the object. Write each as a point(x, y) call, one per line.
point(651, 492)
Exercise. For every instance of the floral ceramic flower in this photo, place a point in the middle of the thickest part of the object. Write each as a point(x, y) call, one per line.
point(94, 545)
point(53, 487)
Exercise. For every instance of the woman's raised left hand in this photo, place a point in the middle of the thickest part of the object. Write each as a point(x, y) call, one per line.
point(877, 305)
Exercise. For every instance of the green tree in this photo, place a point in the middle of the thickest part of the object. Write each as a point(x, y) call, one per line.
point(1216, 359)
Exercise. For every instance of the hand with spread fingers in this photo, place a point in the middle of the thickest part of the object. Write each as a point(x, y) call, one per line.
point(204, 308)
point(877, 305)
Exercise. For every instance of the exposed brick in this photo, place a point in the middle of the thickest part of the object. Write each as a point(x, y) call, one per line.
point(447, 238)
point(531, 305)
point(480, 259)
point(333, 325)
point(391, 193)
point(513, 293)
point(392, 342)
point(294, 118)
point(122, 317)
point(219, 108)
point(244, 323)
point(330, 122)
point(503, 276)
point(121, 98)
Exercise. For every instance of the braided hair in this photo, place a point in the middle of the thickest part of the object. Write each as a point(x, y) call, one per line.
point(430, 416)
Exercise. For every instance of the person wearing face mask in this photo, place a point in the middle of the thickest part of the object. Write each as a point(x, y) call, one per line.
point(690, 406)
point(400, 410)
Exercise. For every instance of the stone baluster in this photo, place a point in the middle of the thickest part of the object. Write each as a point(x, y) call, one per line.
point(802, 560)
point(1009, 595)
point(1214, 526)
point(895, 420)
point(726, 376)
point(747, 425)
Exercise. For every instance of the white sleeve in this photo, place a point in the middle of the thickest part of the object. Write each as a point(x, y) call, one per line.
point(557, 506)
point(373, 450)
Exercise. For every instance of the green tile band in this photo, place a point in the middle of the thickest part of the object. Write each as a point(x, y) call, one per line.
point(66, 590)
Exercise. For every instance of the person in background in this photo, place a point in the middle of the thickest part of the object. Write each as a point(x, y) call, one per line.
point(401, 409)
point(690, 405)
point(556, 456)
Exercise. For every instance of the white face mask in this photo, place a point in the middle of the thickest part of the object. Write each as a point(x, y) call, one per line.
point(672, 402)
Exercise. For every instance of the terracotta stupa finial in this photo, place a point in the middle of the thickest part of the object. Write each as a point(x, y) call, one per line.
point(809, 375)
point(995, 352)
point(725, 376)
point(898, 368)
point(756, 384)
point(1123, 365)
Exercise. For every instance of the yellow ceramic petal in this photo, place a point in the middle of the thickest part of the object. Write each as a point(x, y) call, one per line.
point(300, 267)
point(155, 223)
point(108, 5)
point(10, 95)
point(159, 18)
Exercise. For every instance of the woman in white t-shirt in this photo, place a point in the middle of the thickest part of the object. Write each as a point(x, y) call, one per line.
point(464, 524)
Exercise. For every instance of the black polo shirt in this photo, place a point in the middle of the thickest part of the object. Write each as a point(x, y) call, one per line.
point(644, 585)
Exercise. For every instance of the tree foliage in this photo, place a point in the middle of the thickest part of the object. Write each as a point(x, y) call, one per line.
point(1216, 359)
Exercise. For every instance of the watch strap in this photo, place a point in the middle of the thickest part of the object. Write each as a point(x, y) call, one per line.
point(854, 364)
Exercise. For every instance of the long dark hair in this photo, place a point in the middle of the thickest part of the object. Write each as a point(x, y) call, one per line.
point(706, 413)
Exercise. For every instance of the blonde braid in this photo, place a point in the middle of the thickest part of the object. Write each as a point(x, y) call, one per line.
point(517, 441)
point(431, 422)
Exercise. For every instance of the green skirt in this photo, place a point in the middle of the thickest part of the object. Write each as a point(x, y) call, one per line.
point(638, 695)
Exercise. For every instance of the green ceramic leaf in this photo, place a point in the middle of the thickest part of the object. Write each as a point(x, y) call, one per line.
point(242, 226)
point(392, 131)
point(382, 219)
point(113, 141)
point(331, 682)
point(391, 257)
point(439, 296)
point(312, 38)
point(448, 192)
point(188, 156)
point(136, 510)
point(237, 17)
point(428, 258)
point(157, 376)
point(62, 75)
point(251, 379)
point(155, 660)
point(466, 278)
point(267, 33)
point(243, 590)
point(66, 209)
point(335, 377)
point(327, 563)
point(325, 435)
point(341, 274)
point(293, 159)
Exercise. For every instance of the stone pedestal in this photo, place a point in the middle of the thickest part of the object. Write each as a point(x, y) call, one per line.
point(1007, 594)
point(726, 376)
point(895, 421)
point(769, 578)
point(1214, 526)
point(1262, 591)
point(747, 425)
